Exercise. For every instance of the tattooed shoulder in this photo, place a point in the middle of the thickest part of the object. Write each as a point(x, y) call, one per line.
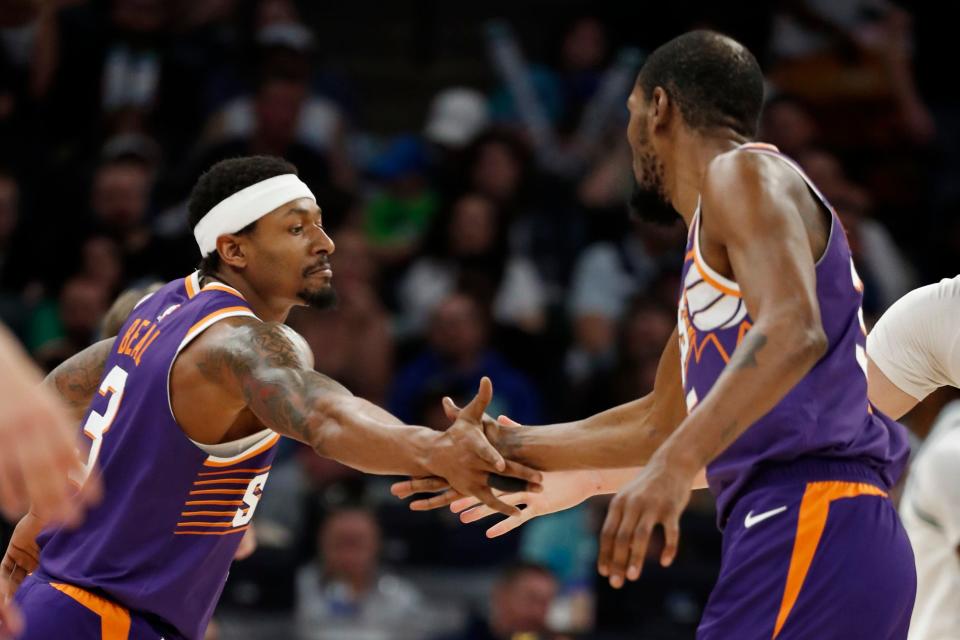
point(267, 366)
point(78, 378)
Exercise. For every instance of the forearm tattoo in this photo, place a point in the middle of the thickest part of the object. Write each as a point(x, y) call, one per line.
point(745, 357)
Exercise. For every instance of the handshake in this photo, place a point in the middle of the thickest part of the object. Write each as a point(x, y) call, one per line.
point(506, 485)
point(467, 460)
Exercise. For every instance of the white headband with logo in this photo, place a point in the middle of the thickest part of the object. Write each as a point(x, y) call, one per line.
point(247, 205)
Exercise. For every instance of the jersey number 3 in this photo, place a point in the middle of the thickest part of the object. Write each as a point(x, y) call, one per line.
point(97, 424)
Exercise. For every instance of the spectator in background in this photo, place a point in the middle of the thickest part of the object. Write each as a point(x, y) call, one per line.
point(468, 250)
point(458, 354)
point(277, 107)
point(456, 117)
point(352, 343)
point(886, 272)
point(344, 594)
point(607, 275)
point(404, 203)
point(285, 48)
point(852, 59)
point(120, 202)
point(519, 604)
point(547, 229)
point(71, 325)
point(642, 332)
point(101, 261)
point(786, 123)
point(19, 288)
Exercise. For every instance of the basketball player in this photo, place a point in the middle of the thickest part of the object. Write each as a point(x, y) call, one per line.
point(913, 350)
point(764, 383)
point(186, 407)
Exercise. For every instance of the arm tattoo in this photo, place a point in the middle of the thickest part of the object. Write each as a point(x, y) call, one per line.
point(78, 378)
point(276, 386)
point(746, 354)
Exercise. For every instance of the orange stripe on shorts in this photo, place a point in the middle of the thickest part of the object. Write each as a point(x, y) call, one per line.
point(814, 508)
point(114, 619)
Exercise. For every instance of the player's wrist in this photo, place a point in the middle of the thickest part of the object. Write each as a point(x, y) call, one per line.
point(680, 459)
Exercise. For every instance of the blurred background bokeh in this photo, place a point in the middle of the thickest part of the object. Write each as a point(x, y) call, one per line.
point(471, 163)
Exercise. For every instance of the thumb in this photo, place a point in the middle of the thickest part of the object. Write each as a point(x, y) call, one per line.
point(474, 410)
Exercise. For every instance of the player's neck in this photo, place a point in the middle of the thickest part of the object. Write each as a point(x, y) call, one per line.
point(694, 153)
point(266, 310)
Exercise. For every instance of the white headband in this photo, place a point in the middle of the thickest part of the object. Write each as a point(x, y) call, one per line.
point(247, 205)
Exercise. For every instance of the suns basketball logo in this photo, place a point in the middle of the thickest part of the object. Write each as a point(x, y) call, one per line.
point(703, 310)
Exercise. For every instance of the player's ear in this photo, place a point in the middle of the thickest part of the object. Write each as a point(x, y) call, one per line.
point(232, 250)
point(661, 108)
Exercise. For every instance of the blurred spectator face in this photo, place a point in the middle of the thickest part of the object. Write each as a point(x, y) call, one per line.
point(82, 303)
point(472, 227)
point(787, 125)
point(646, 330)
point(497, 171)
point(350, 545)
point(457, 329)
point(521, 605)
point(121, 193)
point(140, 16)
point(825, 170)
point(585, 45)
point(278, 106)
point(102, 262)
point(9, 213)
point(353, 262)
point(271, 12)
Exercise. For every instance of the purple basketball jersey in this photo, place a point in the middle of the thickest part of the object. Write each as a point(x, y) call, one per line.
point(172, 516)
point(827, 414)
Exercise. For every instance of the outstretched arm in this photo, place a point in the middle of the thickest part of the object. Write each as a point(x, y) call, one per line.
point(624, 436)
point(258, 363)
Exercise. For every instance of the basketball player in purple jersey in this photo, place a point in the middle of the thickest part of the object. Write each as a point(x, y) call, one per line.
point(764, 383)
point(184, 410)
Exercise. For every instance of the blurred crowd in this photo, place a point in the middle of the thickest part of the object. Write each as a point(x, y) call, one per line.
point(473, 170)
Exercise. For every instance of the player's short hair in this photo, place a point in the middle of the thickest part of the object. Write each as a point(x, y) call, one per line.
point(714, 80)
point(224, 179)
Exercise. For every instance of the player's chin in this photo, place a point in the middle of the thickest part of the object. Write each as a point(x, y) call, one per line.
point(319, 297)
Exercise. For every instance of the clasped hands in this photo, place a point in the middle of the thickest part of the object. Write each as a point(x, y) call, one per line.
point(656, 496)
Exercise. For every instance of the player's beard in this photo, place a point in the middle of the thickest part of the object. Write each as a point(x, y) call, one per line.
point(649, 201)
point(320, 298)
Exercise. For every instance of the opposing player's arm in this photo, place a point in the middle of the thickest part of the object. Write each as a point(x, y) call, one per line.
point(624, 436)
point(77, 379)
point(259, 363)
point(767, 243)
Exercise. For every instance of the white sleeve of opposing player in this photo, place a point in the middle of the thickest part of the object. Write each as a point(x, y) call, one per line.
point(916, 343)
point(941, 482)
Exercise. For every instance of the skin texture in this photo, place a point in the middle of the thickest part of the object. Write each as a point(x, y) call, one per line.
point(885, 395)
point(755, 211)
